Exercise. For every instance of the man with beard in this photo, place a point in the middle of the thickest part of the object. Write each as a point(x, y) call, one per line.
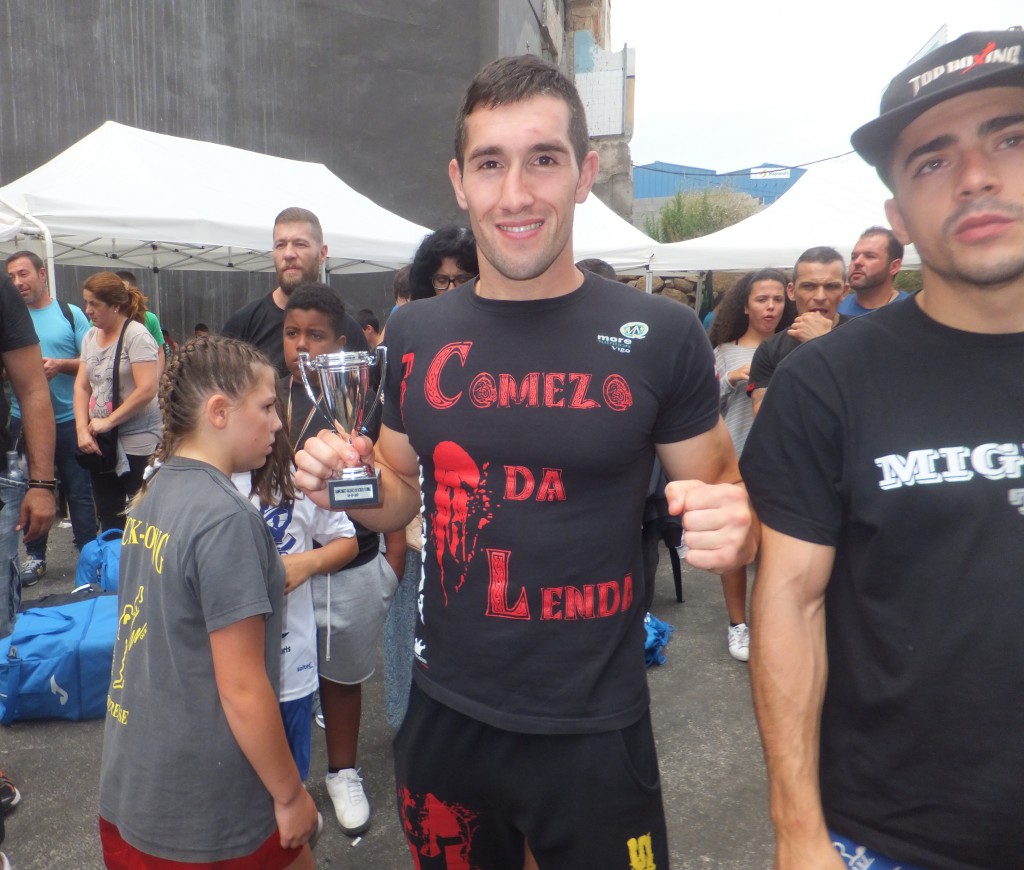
point(874, 264)
point(299, 253)
point(885, 465)
point(531, 402)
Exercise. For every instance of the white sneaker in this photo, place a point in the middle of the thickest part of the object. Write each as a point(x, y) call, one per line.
point(739, 642)
point(350, 804)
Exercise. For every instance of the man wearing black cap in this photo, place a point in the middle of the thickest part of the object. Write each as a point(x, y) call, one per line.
point(886, 468)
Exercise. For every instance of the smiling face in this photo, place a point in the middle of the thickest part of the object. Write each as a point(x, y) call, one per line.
point(958, 176)
point(520, 184)
point(252, 422)
point(818, 287)
point(29, 281)
point(765, 305)
point(297, 255)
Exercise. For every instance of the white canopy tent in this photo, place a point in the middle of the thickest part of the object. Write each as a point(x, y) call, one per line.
point(831, 204)
point(600, 232)
point(127, 198)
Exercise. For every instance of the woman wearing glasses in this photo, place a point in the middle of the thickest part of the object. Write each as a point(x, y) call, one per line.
point(445, 259)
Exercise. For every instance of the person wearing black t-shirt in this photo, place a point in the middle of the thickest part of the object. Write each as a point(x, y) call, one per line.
point(299, 253)
point(817, 288)
point(886, 468)
point(530, 403)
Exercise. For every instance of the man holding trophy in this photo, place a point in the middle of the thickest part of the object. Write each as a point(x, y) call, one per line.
point(529, 405)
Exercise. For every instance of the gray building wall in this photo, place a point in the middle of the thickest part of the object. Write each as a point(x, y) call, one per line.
point(370, 88)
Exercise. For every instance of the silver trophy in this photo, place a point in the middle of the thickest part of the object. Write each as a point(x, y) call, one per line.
point(345, 389)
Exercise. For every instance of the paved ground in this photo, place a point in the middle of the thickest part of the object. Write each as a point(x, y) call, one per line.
point(711, 763)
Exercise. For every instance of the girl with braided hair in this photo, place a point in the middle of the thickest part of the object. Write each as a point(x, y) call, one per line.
point(196, 767)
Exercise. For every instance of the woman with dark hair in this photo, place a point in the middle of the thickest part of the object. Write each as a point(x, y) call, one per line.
point(445, 259)
point(751, 312)
point(117, 313)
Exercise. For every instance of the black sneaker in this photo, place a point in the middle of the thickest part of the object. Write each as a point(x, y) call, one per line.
point(9, 794)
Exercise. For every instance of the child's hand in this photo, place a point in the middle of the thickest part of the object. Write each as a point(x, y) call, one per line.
point(296, 571)
point(296, 820)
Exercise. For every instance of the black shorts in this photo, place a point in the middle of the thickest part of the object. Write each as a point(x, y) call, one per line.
point(469, 794)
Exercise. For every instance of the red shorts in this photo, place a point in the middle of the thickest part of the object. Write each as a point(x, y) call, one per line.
point(119, 855)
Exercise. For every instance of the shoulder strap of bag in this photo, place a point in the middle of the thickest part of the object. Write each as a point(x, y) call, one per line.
point(65, 309)
point(115, 399)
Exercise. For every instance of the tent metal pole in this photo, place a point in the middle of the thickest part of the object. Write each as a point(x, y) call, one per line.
point(649, 280)
point(47, 242)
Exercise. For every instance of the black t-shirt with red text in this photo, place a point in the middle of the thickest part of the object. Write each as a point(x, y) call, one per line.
point(535, 423)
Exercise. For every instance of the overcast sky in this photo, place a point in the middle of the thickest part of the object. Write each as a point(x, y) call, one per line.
point(727, 84)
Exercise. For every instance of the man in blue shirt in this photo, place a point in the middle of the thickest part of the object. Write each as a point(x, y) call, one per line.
point(874, 264)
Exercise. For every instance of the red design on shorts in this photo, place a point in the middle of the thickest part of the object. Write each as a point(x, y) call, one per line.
point(440, 835)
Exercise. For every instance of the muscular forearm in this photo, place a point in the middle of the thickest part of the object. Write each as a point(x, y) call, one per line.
point(788, 672)
point(40, 431)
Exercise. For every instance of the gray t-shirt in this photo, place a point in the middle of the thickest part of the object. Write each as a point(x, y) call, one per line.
point(196, 557)
point(140, 434)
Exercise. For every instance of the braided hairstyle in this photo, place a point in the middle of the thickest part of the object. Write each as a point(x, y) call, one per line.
point(215, 364)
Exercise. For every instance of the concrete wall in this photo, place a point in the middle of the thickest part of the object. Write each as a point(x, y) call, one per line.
point(368, 87)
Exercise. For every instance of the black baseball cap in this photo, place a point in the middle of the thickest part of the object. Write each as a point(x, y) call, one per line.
point(984, 59)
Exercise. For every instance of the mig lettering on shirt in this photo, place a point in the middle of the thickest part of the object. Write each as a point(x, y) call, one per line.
point(130, 631)
point(445, 385)
point(950, 465)
point(136, 533)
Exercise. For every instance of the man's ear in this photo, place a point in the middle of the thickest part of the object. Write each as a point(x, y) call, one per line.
point(588, 175)
point(455, 174)
point(789, 292)
point(895, 216)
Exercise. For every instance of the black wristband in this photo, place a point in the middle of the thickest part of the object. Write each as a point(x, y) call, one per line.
point(34, 483)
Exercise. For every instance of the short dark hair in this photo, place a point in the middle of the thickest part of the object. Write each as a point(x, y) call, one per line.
point(125, 275)
point(314, 296)
point(449, 241)
point(37, 261)
point(510, 80)
point(365, 317)
point(895, 245)
point(598, 267)
point(820, 254)
point(296, 215)
point(400, 284)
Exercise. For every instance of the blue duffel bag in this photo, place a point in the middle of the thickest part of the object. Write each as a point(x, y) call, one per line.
point(56, 663)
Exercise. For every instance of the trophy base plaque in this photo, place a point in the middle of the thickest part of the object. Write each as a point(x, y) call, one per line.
point(357, 487)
